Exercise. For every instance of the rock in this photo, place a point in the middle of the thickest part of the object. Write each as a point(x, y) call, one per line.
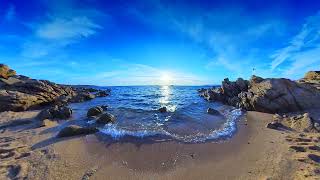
point(317, 126)
point(162, 109)
point(280, 95)
point(255, 79)
point(106, 118)
point(82, 96)
point(48, 123)
point(6, 72)
point(311, 78)
point(19, 93)
point(95, 111)
point(74, 130)
point(312, 75)
point(102, 94)
point(274, 125)
point(213, 111)
point(55, 112)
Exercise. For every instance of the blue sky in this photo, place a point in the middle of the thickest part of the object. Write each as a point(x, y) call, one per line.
point(155, 42)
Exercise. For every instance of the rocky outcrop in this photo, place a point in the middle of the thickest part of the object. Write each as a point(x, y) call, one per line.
point(74, 130)
point(6, 72)
point(20, 93)
point(311, 78)
point(265, 95)
point(106, 118)
point(55, 112)
point(95, 111)
point(298, 122)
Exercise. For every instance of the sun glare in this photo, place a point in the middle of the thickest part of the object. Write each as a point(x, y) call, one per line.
point(166, 79)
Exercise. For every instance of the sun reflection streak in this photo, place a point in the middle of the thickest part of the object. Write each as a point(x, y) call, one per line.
point(165, 99)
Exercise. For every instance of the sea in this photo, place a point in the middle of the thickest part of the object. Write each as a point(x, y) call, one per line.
point(186, 119)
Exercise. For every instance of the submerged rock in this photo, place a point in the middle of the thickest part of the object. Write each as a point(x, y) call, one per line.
point(74, 130)
point(55, 112)
point(213, 111)
point(106, 118)
point(162, 109)
point(95, 111)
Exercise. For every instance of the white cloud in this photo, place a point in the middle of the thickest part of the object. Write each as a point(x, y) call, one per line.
point(67, 28)
point(303, 49)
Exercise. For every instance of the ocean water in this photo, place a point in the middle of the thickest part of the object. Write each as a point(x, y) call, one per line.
point(136, 111)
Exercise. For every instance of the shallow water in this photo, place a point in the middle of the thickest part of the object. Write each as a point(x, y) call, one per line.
point(136, 110)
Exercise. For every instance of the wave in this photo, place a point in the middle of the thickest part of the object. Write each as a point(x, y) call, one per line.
point(227, 130)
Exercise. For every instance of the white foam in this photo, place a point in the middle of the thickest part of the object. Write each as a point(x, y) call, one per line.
point(227, 130)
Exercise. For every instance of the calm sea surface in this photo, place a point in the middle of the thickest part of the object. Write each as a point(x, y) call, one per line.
point(136, 110)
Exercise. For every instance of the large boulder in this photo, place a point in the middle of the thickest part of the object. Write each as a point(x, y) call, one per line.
point(6, 72)
point(74, 130)
point(106, 118)
point(95, 111)
point(82, 96)
point(279, 95)
point(55, 112)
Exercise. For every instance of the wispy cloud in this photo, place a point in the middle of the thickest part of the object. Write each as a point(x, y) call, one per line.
point(303, 50)
point(228, 33)
point(67, 28)
point(11, 12)
point(63, 25)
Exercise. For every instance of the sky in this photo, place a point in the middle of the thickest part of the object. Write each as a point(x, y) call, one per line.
point(154, 42)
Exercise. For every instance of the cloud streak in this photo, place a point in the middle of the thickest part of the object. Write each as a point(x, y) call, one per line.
point(303, 50)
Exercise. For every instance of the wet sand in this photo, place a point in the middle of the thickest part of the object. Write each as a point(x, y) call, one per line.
point(254, 152)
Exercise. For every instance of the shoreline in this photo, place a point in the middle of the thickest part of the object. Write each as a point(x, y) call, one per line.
point(253, 152)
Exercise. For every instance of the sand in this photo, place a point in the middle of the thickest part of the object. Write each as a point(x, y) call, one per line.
point(254, 152)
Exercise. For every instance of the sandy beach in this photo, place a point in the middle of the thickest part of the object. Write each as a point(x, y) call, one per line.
point(254, 152)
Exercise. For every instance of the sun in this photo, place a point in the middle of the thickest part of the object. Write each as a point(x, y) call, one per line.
point(166, 79)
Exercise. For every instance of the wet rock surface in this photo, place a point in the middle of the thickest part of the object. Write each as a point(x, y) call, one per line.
point(74, 130)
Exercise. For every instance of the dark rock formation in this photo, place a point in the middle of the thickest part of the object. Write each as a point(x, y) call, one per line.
point(82, 96)
point(265, 95)
point(55, 112)
point(162, 109)
point(106, 118)
point(213, 111)
point(95, 111)
point(274, 125)
point(102, 94)
point(74, 130)
point(20, 93)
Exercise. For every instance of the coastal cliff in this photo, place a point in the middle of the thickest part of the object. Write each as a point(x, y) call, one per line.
point(20, 93)
point(271, 95)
